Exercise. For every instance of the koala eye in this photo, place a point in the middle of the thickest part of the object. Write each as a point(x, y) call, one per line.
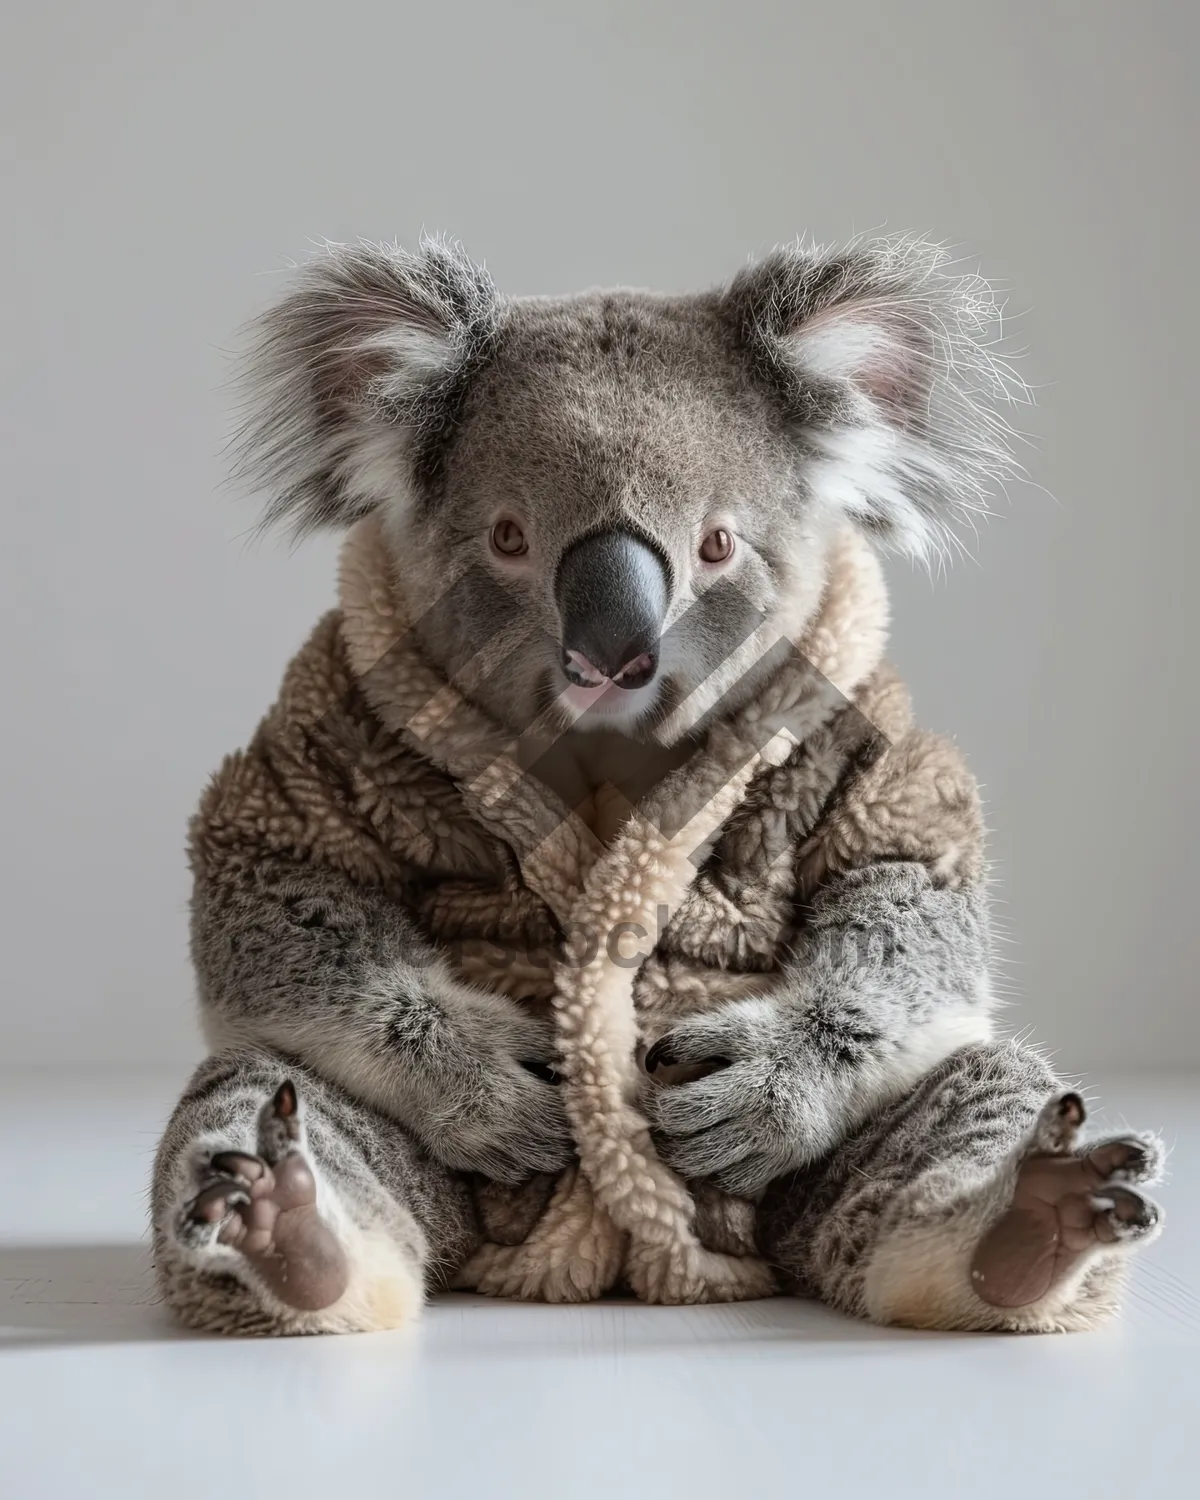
point(508, 539)
point(717, 546)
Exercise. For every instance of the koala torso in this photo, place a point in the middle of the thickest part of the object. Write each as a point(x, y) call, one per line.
point(324, 781)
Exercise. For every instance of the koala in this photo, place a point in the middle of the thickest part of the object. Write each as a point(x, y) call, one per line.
point(629, 541)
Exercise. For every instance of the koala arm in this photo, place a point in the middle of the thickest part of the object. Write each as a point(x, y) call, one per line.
point(295, 956)
point(890, 976)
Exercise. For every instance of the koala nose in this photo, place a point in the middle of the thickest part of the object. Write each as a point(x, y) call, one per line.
point(612, 591)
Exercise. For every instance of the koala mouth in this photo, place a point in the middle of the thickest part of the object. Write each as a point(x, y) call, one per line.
point(606, 698)
point(609, 701)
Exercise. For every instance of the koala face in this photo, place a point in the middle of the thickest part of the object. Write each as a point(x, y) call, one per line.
point(628, 503)
point(603, 508)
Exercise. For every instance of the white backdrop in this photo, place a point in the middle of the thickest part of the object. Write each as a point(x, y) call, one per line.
point(164, 162)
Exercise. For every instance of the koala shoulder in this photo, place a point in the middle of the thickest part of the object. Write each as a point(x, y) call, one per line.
point(916, 801)
point(289, 792)
point(324, 780)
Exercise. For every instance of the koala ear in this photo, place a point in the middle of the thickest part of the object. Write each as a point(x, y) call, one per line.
point(883, 357)
point(352, 378)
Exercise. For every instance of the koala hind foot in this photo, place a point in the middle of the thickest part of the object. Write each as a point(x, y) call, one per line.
point(265, 1206)
point(1069, 1201)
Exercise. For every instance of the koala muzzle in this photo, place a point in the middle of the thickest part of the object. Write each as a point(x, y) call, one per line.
point(612, 591)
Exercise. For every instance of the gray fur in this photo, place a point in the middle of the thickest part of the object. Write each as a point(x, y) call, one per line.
point(384, 1180)
point(296, 957)
point(885, 956)
point(944, 1156)
point(968, 1117)
point(372, 345)
point(816, 385)
point(931, 371)
point(822, 1221)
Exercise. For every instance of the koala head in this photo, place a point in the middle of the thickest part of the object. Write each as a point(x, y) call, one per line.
point(595, 504)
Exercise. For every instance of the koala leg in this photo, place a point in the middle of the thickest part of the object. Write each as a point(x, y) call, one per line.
point(974, 1203)
point(282, 1205)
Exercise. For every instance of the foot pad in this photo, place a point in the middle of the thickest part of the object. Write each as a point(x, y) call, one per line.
point(1068, 1202)
point(265, 1206)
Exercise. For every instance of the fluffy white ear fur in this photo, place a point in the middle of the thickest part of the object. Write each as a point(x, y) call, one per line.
point(883, 352)
point(368, 332)
point(892, 352)
point(863, 342)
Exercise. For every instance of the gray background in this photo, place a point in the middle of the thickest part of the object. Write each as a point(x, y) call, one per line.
point(162, 162)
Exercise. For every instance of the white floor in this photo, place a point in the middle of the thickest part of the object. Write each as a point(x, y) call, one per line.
point(100, 1395)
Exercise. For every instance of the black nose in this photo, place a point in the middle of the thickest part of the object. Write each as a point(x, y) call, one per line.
point(612, 591)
